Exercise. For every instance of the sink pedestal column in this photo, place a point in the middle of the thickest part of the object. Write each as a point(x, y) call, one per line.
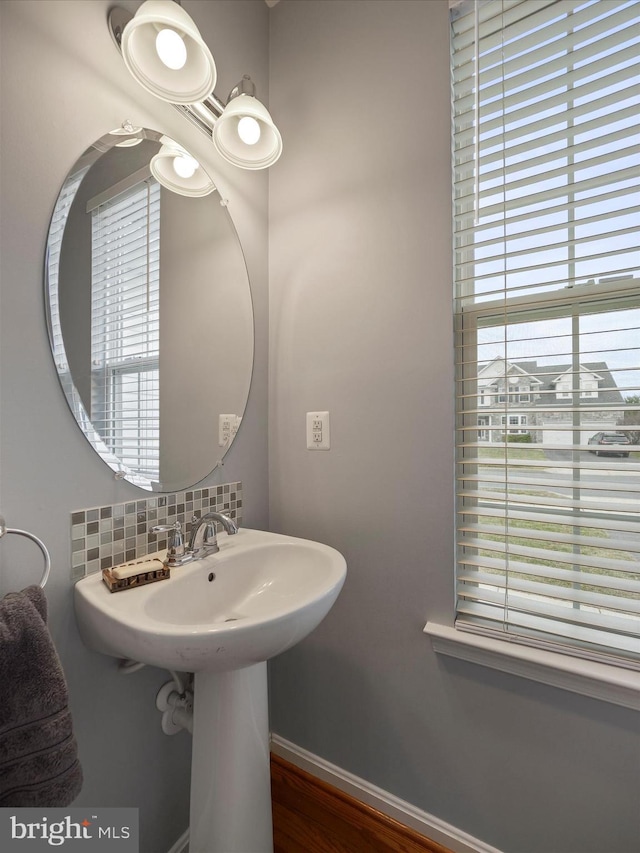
point(230, 772)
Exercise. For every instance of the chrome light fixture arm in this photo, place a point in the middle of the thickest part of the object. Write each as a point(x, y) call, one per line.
point(205, 113)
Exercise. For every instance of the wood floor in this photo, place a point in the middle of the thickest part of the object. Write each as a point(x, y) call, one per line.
point(310, 816)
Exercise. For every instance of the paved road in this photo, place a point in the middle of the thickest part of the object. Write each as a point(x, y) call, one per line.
point(564, 487)
point(566, 455)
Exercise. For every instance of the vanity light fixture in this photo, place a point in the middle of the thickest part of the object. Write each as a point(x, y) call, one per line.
point(178, 171)
point(164, 51)
point(245, 134)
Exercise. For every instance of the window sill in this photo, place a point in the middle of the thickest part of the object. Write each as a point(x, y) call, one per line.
point(598, 680)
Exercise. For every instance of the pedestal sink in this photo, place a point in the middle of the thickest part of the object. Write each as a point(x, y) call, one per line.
point(222, 618)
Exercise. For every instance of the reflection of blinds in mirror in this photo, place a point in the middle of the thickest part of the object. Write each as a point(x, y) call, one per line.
point(125, 291)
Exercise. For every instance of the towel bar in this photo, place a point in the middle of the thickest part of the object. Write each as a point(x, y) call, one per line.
point(47, 559)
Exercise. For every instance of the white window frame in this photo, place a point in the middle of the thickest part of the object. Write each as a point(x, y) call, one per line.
point(520, 421)
point(576, 301)
point(605, 679)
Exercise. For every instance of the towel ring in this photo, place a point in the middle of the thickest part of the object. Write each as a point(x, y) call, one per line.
point(47, 558)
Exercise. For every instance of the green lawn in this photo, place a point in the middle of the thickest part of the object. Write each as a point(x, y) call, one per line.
point(516, 451)
point(561, 547)
point(529, 453)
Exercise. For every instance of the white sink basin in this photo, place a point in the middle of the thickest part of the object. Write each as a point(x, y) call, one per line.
point(267, 593)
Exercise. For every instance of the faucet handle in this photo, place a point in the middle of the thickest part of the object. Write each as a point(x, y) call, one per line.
point(175, 549)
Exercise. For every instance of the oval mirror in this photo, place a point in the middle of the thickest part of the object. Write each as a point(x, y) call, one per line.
point(149, 312)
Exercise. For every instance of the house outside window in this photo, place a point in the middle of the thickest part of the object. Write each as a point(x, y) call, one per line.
point(547, 272)
point(588, 383)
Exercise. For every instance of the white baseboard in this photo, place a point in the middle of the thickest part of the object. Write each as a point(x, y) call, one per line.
point(422, 822)
point(426, 824)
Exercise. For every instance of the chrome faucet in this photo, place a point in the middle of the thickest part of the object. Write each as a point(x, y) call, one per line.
point(202, 541)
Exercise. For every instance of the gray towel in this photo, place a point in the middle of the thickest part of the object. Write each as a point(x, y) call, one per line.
point(38, 755)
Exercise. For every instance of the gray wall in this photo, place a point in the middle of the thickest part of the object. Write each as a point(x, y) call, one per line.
point(206, 333)
point(63, 86)
point(360, 324)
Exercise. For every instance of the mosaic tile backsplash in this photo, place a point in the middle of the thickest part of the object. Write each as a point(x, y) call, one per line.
point(105, 536)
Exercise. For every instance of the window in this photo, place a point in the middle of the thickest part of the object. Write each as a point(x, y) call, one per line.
point(514, 421)
point(125, 327)
point(483, 433)
point(547, 272)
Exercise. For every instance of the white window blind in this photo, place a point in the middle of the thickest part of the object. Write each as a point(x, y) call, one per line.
point(546, 106)
point(125, 292)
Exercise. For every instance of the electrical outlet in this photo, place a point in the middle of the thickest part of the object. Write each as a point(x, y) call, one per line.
point(226, 431)
point(318, 431)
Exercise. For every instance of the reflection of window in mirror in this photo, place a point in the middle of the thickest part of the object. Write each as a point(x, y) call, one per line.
point(125, 293)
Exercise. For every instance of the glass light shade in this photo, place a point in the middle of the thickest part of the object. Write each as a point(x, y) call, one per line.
point(171, 49)
point(163, 169)
point(249, 130)
point(192, 82)
point(226, 138)
point(185, 167)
